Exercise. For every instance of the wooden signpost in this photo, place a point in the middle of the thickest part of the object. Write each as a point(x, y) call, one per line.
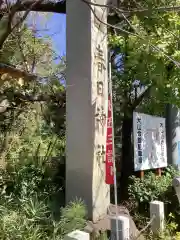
point(158, 172)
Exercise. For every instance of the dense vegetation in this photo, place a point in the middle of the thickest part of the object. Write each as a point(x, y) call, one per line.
point(145, 73)
point(32, 141)
point(145, 56)
point(145, 61)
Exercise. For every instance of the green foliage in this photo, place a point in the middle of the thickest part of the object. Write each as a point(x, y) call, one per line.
point(73, 216)
point(151, 187)
point(27, 196)
point(143, 191)
point(28, 126)
point(146, 55)
point(147, 52)
point(33, 220)
point(24, 50)
point(28, 132)
point(32, 144)
point(32, 147)
point(169, 232)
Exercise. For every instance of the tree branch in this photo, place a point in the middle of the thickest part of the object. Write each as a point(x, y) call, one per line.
point(134, 11)
point(14, 72)
point(6, 21)
point(60, 7)
point(56, 98)
point(11, 99)
point(45, 6)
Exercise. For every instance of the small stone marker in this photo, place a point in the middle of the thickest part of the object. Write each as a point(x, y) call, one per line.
point(176, 185)
point(157, 212)
point(123, 228)
point(77, 235)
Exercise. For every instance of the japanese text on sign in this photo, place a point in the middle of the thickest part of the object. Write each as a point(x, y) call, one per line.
point(100, 61)
point(109, 146)
point(149, 142)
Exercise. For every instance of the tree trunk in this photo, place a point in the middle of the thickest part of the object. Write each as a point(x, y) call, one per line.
point(127, 156)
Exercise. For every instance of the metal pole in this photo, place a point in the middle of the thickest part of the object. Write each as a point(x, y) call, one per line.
point(114, 163)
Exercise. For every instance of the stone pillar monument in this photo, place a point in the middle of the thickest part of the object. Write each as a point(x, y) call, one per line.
point(86, 107)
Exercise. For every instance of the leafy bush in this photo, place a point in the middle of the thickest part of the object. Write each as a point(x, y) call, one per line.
point(152, 187)
point(169, 232)
point(26, 178)
point(33, 220)
point(27, 196)
point(73, 216)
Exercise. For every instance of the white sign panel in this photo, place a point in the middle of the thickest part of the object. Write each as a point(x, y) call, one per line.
point(149, 142)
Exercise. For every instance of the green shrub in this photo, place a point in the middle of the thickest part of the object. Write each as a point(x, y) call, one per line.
point(27, 177)
point(73, 217)
point(152, 187)
point(33, 220)
point(27, 193)
point(169, 232)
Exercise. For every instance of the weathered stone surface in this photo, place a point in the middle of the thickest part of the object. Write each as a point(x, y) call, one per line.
point(105, 225)
point(77, 235)
point(86, 102)
point(122, 211)
point(157, 212)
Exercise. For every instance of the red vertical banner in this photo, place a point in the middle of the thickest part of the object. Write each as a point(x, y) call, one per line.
point(109, 145)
